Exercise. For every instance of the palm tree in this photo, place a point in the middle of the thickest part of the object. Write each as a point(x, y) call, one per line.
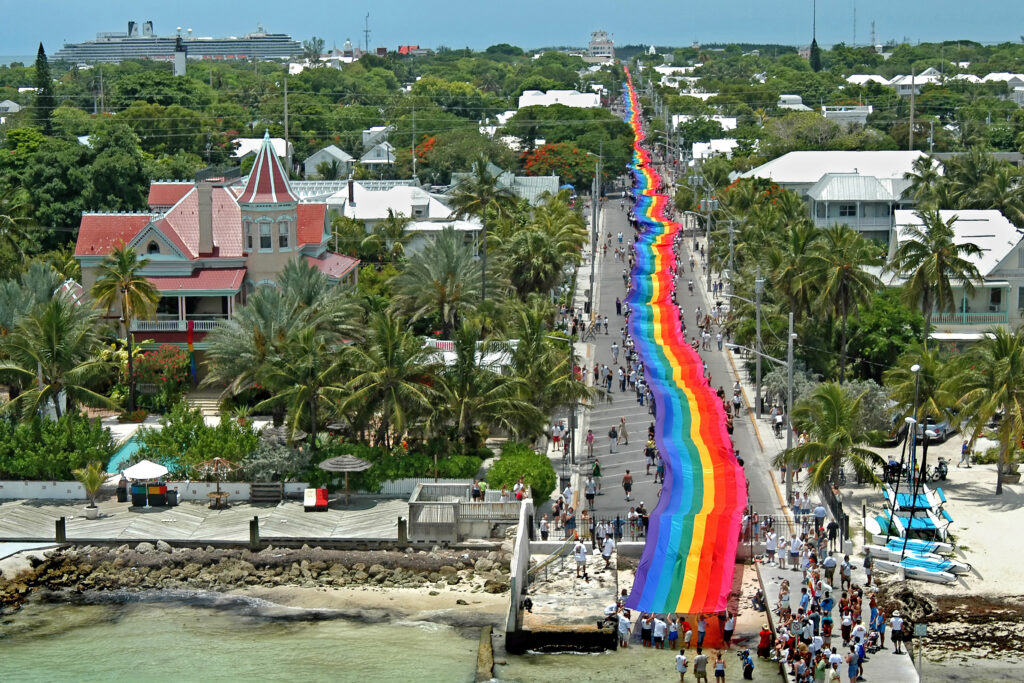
point(302, 375)
point(927, 387)
point(476, 196)
point(389, 237)
point(53, 349)
point(990, 380)
point(121, 282)
point(835, 269)
point(533, 262)
point(440, 280)
point(930, 260)
point(786, 266)
point(15, 220)
point(832, 418)
point(241, 352)
point(925, 175)
point(471, 395)
point(393, 377)
point(1002, 189)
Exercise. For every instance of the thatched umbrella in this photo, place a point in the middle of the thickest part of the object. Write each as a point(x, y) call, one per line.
point(218, 468)
point(346, 464)
point(282, 435)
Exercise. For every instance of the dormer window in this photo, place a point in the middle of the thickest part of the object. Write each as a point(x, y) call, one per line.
point(283, 232)
point(152, 248)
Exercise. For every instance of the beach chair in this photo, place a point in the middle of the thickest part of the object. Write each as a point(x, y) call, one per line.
point(321, 499)
point(309, 500)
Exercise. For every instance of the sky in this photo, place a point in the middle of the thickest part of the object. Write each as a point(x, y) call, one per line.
point(526, 23)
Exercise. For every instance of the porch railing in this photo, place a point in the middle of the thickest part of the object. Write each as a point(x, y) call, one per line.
point(969, 318)
point(204, 325)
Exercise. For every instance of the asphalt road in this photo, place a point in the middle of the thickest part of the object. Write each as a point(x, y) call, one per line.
point(605, 414)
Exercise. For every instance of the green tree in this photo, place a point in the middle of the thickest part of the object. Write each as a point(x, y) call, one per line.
point(120, 282)
point(392, 379)
point(836, 270)
point(832, 418)
point(479, 195)
point(990, 381)
point(928, 388)
point(54, 350)
point(45, 100)
point(442, 280)
point(519, 460)
point(931, 261)
point(16, 234)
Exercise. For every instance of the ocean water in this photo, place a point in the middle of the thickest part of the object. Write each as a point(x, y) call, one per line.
point(176, 641)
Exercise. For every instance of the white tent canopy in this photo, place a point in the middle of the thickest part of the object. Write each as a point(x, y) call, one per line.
point(145, 469)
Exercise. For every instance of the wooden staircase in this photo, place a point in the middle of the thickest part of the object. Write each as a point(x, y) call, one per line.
point(267, 492)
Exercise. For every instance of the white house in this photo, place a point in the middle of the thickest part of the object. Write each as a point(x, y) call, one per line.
point(717, 147)
point(568, 98)
point(999, 298)
point(374, 135)
point(792, 103)
point(864, 79)
point(428, 213)
point(1012, 80)
point(329, 154)
point(861, 189)
point(381, 154)
point(847, 114)
point(727, 122)
point(904, 85)
point(9, 107)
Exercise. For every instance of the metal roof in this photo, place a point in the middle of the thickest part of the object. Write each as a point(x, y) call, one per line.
point(834, 187)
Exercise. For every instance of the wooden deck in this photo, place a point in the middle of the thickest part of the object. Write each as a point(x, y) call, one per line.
point(194, 521)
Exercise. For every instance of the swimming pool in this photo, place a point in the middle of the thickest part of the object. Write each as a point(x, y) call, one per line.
point(123, 455)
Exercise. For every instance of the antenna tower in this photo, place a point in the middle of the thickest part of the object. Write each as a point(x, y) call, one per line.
point(366, 32)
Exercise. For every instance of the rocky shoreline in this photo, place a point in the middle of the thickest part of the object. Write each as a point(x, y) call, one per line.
point(148, 567)
point(964, 628)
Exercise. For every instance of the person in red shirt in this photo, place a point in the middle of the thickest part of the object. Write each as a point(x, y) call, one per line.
point(764, 645)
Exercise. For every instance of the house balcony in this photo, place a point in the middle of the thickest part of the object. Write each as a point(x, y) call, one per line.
point(201, 323)
point(971, 318)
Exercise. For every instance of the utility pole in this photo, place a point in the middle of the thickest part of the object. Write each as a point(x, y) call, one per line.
point(910, 144)
point(286, 113)
point(595, 216)
point(789, 404)
point(414, 142)
point(758, 287)
point(732, 259)
point(708, 245)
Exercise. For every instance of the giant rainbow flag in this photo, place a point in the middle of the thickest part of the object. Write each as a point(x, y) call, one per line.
point(688, 561)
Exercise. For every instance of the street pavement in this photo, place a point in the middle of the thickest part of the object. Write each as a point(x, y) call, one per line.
point(763, 495)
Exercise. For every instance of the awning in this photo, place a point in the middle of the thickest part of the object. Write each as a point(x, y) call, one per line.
point(219, 281)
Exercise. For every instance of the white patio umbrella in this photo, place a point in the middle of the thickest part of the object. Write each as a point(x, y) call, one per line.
point(145, 469)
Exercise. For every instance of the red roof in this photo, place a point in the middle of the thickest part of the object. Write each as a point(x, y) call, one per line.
point(207, 279)
point(227, 223)
point(166, 195)
point(101, 233)
point(334, 266)
point(268, 182)
point(311, 223)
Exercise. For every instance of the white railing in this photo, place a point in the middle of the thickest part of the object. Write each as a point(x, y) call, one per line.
point(175, 325)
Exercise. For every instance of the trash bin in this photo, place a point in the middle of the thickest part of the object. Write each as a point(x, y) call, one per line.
point(172, 497)
point(122, 494)
point(139, 496)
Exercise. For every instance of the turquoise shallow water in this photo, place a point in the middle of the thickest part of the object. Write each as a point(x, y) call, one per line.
point(174, 642)
point(122, 455)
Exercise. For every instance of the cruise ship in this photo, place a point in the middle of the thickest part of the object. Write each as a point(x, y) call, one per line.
point(135, 44)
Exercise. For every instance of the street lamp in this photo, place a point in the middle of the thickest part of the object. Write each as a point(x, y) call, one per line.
point(788, 363)
point(572, 414)
point(758, 288)
point(916, 369)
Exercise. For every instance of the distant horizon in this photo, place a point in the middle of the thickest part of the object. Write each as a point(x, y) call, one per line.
point(532, 25)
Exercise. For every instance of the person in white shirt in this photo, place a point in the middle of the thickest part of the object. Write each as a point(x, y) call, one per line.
point(896, 625)
point(783, 552)
point(579, 551)
point(624, 628)
point(606, 551)
point(660, 628)
point(769, 546)
point(681, 664)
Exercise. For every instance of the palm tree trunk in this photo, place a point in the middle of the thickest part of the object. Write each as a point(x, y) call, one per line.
point(56, 410)
point(842, 355)
point(312, 421)
point(483, 255)
point(926, 308)
point(1004, 446)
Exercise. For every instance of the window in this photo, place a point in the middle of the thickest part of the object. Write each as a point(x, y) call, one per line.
point(266, 244)
point(152, 248)
point(847, 210)
point(1020, 258)
point(995, 299)
point(1020, 298)
point(282, 235)
point(821, 210)
point(248, 236)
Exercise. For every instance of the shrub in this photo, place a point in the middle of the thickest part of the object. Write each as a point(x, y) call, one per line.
point(168, 369)
point(186, 440)
point(389, 465)
point(274, 462)
point(519, 460)
point(45, 449)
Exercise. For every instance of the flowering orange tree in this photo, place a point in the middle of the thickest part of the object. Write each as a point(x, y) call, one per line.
point(571, 164)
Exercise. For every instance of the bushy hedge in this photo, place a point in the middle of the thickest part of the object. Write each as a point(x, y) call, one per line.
point(186, 440)
point(519, 460)
point(44, 449)
point(395, 464)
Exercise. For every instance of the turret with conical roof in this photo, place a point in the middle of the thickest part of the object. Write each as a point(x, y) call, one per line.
point(268, 181)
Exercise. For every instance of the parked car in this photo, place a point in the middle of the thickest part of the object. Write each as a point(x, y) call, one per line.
point(942, 429)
